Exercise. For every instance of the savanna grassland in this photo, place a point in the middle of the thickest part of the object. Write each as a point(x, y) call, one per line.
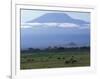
point(55, 58)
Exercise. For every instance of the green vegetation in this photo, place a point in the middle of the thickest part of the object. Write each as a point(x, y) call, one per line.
point(55, 57)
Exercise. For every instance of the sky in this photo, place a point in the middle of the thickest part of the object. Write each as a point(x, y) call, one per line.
point(35, 34)
point(27, 15)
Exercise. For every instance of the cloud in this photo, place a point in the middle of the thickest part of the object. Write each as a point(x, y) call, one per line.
point(50, 24)
point(26, 26)
point(31, 24)
point(59, 25)
point(68, 25)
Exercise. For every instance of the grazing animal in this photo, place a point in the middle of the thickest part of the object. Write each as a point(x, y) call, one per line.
point(63, 58)
point(30, 60)
point(58, 58)
point(72, 60)
point(67, 62)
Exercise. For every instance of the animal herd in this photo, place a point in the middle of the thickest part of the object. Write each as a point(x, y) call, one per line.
point(71, 60)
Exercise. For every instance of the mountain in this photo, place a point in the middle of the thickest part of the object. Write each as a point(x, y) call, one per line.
point(43, 37)
point(57, 18)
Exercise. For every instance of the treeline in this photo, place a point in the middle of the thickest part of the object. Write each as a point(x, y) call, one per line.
point(55, 49)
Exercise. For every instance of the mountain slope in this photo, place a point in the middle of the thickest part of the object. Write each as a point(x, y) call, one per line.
point(57, 18)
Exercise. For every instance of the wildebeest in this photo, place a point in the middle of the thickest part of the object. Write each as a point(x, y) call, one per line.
point(58, 58)
point(63, 57)
point(67, 62)
point(30, 60)
point(72, 60)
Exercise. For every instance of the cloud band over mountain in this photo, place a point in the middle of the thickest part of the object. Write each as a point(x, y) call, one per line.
point(53, 29)
point(56, 20)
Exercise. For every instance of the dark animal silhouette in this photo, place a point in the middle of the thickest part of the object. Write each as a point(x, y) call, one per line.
point(72, 60)
point(59, 58)
point(30, 60)
point(63, 58)
point(67, 62)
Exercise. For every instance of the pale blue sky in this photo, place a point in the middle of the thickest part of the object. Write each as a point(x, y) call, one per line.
point(27, 15)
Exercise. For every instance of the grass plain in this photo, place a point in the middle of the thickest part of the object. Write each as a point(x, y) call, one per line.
point(48, 59)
